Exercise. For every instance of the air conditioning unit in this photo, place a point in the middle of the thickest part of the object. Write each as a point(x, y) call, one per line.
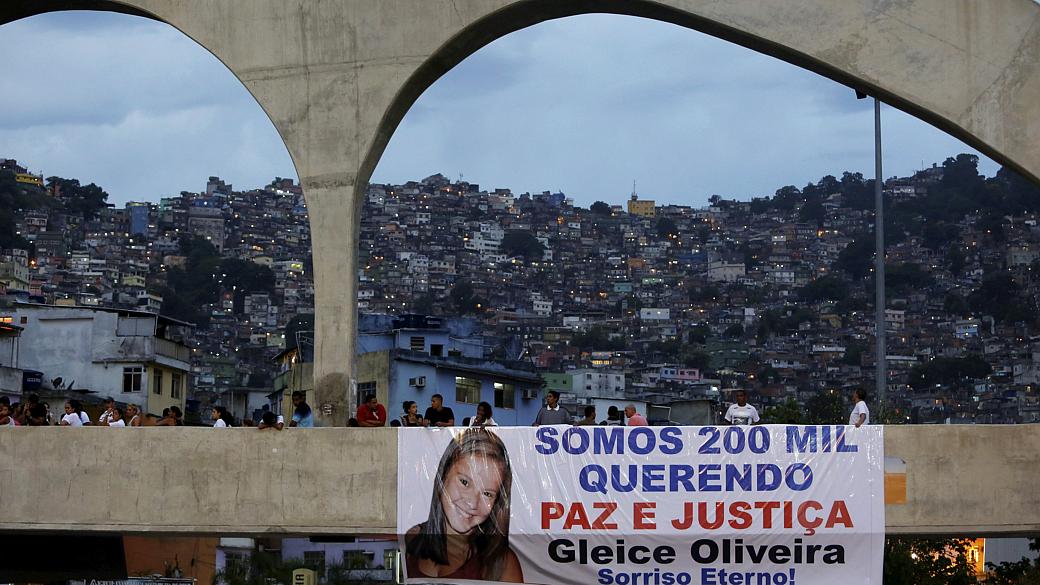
point(530, 393)
point(419, 382)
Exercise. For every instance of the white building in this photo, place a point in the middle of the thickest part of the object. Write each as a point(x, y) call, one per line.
point(655, 314)
point(134, 356)
point(719, 271)
point(597, 383)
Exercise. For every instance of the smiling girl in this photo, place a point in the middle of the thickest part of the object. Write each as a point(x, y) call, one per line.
point(467, 533)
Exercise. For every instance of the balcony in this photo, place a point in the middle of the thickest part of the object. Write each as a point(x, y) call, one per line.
point(172, 350)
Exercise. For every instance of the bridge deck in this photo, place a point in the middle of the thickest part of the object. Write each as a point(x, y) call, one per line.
point(961, 480)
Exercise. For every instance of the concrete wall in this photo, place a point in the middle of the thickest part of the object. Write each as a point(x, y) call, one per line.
point(961, 479)
point(337, 77)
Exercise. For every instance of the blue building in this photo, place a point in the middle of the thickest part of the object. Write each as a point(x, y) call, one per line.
point(138, 215)
point(418, 356)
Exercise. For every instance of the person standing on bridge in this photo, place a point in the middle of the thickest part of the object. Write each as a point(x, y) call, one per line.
point(552, 413)
point(302, 416)
point(634, 418)
point(860, 413)
point(742, 413)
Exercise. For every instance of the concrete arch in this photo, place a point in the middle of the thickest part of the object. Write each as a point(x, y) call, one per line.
point(336, 77)
point(519, 15)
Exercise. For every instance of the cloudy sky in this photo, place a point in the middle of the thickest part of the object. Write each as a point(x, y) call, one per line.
point(584, 105)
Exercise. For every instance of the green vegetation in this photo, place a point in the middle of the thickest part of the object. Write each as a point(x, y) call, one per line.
point(945, 371)
point(597, 339)
point(465, 300)
point(192, 288)
point(523, 244)
point(88, 200)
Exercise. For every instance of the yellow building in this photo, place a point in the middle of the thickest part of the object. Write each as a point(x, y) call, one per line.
point(642, 207)
point(29, 179)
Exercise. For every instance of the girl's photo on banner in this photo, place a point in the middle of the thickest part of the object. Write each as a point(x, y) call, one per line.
point(609, 505)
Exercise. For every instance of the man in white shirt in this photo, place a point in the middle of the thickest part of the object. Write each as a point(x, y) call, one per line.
point(552, 413)
point(741, 413)
point(860, 413)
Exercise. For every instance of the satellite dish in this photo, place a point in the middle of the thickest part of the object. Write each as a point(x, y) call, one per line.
point(56, 382)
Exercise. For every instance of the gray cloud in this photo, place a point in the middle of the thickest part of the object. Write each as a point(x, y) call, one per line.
point(584, 104)
point(596, 101)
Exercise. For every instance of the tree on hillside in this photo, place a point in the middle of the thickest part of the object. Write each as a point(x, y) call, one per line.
point(825, 408)
point(523, 244)
point(825, 288)
point(465, 300)
point(244, 277)
point(785, 413)
point(857, 258)
point(600, 208)
point(666, 227)
point(948, 371)
point(302, 322)
point(1001, 296)
point(813, 212)
point(86, 199)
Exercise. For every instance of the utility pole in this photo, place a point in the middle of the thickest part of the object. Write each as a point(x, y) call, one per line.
point(879, 263)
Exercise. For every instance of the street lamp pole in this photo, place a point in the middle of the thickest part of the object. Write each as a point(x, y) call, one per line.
point(879, 263)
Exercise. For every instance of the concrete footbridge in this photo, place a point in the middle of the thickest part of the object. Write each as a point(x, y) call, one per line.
point(336, 77)
point(952, 480)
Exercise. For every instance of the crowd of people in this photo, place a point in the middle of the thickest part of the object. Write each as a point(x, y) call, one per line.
point(373, 414)
point(33, 412)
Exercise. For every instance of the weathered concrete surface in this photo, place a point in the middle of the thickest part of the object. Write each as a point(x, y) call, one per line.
point(337, 76)
point(962, 480)
point(967, 479)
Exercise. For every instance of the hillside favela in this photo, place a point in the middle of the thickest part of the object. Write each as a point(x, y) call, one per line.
point(198, 309)
point(669, 307)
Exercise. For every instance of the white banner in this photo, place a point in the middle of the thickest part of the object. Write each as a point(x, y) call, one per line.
point(740, 505)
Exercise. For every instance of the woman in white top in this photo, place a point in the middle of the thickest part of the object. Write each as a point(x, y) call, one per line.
point(115, 417)
point(483, 417)
point(83, 416)
point(134, 415)
point(220, 417)
point(72, 418)
point(860, 413)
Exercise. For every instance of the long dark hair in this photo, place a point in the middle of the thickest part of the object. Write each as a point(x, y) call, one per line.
point(489, 541)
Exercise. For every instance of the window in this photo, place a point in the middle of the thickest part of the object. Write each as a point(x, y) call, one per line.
point(417, 343)
point(505, 397)
point(436, 349)
point(467, 390)
point(364, 389)
point(132, 379)
point(357, 559)
point(175, 386)
point(315, 560)
point(157, 382)
point(236, 563)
